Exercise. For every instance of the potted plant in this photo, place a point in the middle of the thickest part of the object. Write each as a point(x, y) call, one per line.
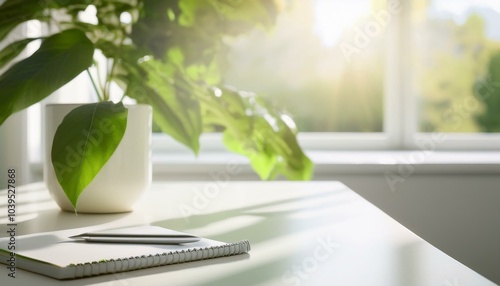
point(165, 54)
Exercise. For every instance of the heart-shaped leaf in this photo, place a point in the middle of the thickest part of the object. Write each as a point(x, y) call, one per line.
point(84, 142)
point(59, 59)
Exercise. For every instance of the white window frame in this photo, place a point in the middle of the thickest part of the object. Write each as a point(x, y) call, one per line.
point(409, 136)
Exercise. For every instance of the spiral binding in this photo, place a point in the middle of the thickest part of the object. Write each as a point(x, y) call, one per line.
point(160, 259)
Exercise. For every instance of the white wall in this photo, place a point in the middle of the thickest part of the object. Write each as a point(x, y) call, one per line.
point(459, 214)
point(13, 151)
point(13, 133)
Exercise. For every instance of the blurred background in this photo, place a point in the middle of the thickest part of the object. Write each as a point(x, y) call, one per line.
point(326, 63)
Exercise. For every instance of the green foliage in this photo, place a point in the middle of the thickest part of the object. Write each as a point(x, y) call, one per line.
point(84, 142)
point(270, 154)
point(168, 56)
point(253, 129)
point(15, 12)
point(59, 59)
point(179, 112)
point(489, 92)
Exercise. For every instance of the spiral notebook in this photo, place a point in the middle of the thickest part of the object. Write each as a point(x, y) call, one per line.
point(54, 254)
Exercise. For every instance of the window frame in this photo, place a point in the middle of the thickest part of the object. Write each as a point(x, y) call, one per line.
point(412, 138)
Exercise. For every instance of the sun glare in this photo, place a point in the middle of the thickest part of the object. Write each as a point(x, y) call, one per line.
point(332, 17)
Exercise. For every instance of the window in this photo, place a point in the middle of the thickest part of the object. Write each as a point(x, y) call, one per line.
point(456, 47)
point(319, 64)
point(321, 67)
point(374, 74)
point(456, 50)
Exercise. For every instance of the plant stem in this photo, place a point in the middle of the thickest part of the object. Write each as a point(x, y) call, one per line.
point(99, 96)
point(107, 84)
point(99, 82)
point(109, 79)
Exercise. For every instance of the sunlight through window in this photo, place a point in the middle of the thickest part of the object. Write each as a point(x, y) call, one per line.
point(332, 18)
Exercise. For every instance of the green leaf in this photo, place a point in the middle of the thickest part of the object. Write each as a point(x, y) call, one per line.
point(84, 142)
point(189, 10)
point(254, 129)
point(175, 110)
point(15, 12)
point(262, 162)
point(252, 12)
point(60, 58)
point(295, 164)
point(185, 128)
point(13, 50)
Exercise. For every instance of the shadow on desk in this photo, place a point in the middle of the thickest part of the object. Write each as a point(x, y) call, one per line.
point(271, 223)
point(277, 220)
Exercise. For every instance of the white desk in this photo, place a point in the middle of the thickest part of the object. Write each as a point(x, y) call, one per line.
point(307, 233)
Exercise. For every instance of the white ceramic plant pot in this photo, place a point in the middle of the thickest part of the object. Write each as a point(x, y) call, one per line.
point(122, 180)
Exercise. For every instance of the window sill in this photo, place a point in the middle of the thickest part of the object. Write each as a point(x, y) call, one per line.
point(343, 162)
point(329, 163)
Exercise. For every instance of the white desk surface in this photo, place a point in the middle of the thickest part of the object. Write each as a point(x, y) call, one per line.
point(301, 233)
